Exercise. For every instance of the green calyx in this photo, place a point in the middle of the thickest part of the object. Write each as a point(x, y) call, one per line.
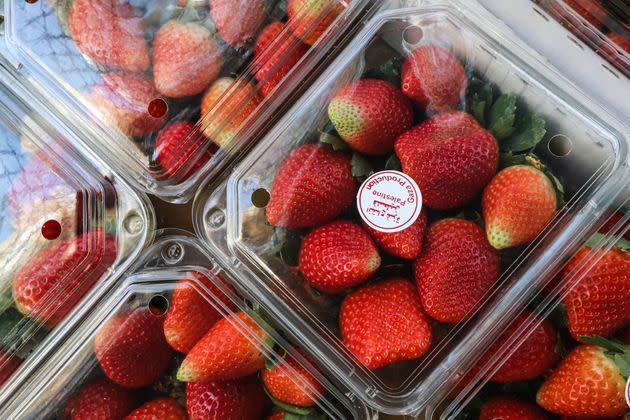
point(305, 412)
point(597, 239)
point(615, 350)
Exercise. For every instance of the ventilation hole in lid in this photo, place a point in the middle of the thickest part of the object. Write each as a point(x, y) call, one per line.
point(157, 108)
point(560, 145)
point(158, 305)
point(260, 198)
point(412, 35)
point(51, 229)
point(31, 1)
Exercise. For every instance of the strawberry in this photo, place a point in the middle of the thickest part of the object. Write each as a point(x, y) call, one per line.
point(309, 19)
point(591, 10)
point(186, 59)
point(277, 52)
point(54, 280)
point(313, 185)
point(238, 21)
point(131, 348)
point(383, 323)
point(407, 243)
point(612, 221)
point(622, 41)
point(600, 303)
point(231, 400)
point(338, 256)
point(456, 269)
point(235, 102)
point(370, 114)
point(176, 145)
point(434, 79)
point(290, 383)
point(99, 400)
point(510, 408)
point(277, 415)
point(8, 364)
point(517, 204)
point(450, 157)
point(226, 352)
point(587, 383)
point(123, 101)
point(190, 314)
point(110, 33)
point(532, 358)
point(163, 408)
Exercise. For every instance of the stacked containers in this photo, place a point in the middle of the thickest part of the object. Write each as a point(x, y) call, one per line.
point(173, 338)
point(68, 227)
point(160, 89)
point(265, 219)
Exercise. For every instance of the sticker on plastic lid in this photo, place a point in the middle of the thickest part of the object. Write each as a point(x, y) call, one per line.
point(628, 392)
point(389, 201)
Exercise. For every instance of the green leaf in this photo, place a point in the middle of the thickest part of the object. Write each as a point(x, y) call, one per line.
point(361, 168)
point(301, 411)
point(393, 163)
point(623, 244)
point(557, 186)
point(623, 364)
point(595, 240)
point(509, 159)
point(332, 140)
point(559, 316)
point(480, 100)
point(529, 133)
point(608, 344)
point(502, 117)
point(390, 71)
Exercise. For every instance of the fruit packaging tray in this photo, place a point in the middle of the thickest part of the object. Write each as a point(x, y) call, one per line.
point(161, 89)
point(285, 219)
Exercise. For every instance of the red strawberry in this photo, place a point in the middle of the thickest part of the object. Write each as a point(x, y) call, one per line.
point(338, 256)
point(587, 383)
point(517, 204)
point(370, 114)
point(232, 400)
point(110, 32)
point(510, 408)
point(54, 280)
point(612, 221)
point(532, 358)
point(123, 101)
point(622, 41)
point(238, 21)
point(186, 59)
point(456, 269)
point(383, 323)
point(290, 383)
point(277, 415)
point(277, 53)
point(235, 102)
point(176, 145)
point(591, 10)
point(600, 303)
point(163, 408)
point(313, 185)
point(450, 157)
point(226, 352)
point(434, 79)
point(190, 314)
point(131, 348)
point(405, 244)
point(309, 19)
point(8, 364)
point(100, 400)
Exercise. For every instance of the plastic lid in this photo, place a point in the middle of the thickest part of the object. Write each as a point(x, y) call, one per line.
point(66, 229)
point(602, 25)
point(161, 89)
point(514, 166)
point(177, 338)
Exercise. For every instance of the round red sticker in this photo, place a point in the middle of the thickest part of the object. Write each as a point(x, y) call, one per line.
point(628, 392)
point(389, 201)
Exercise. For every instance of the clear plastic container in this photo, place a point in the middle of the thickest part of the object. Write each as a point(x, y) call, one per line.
point(168, 92)
point(68, 227)
point(582, 145)
point(551, 328)
point(135, 342)
point(603, 25)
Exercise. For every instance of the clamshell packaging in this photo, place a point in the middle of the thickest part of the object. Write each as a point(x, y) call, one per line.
point(137, 351)
point(459, 97)
point(167, 92)
point(68, 227)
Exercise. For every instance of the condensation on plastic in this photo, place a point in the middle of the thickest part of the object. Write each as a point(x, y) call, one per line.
point(603, 25)
point(108, 109)
point(167, 263)
point(593, 173)
point(450, 405)
point(68, 227)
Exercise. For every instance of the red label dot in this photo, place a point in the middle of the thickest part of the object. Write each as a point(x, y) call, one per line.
point(51, 229)
point(157, 108)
